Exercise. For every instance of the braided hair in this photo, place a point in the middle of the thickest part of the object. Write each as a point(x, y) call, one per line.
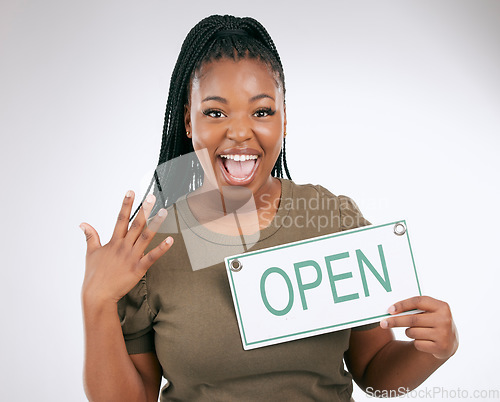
point(213, 38)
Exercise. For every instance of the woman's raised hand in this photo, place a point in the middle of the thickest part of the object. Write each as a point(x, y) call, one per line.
point(112, 270)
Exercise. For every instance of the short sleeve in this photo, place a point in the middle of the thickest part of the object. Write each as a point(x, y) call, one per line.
point(350, 215)
point(136, 319)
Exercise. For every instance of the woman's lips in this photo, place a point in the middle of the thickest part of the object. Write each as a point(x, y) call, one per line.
point(239, 151)
point(233, 163)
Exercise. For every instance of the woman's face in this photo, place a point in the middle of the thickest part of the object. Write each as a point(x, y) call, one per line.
point(236, 119)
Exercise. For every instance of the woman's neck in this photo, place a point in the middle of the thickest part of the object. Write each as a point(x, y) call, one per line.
point(235, 210)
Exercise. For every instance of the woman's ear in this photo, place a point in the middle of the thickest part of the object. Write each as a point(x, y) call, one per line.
point(284, 119)
point(187, 120)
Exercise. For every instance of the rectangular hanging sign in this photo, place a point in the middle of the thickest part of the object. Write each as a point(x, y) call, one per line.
point(322, 284)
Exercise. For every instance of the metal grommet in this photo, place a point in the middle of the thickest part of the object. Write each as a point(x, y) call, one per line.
point(399, 229)
point(236, 266)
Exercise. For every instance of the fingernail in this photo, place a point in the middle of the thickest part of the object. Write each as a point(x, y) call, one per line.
point(169, 240)
point(82, 227)
point(392, 309)
point(150, 198)
point(162, 212)
point(129, 194)
point(384, 324)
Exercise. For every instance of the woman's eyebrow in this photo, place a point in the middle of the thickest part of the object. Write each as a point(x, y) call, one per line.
point(215, 98)
point(224, 100)
point(260, 96)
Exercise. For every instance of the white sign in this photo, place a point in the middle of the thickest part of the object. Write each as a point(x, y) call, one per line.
point(323, 284)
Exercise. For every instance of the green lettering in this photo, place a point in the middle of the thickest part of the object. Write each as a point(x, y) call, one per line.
point(263, 294)
point(303, 287)
point(338, 277)
point(385, 282)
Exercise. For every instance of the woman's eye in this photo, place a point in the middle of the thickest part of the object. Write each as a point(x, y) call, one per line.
point(264, 112)
point(216, 114)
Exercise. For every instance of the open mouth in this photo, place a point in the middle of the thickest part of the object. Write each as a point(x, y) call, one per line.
point(239, 169)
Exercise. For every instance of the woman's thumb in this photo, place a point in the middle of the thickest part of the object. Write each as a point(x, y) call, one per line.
point(91, 236)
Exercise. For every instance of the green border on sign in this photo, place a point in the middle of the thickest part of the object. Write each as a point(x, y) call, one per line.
point(314, 239)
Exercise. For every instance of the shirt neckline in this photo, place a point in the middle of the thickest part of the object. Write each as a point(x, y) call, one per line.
point(192, 224)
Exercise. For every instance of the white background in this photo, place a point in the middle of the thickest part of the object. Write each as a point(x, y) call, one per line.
point(394, 103)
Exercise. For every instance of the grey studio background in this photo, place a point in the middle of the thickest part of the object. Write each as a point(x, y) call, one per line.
point(394, 103)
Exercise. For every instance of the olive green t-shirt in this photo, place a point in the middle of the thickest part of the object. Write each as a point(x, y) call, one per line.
point(183, 310)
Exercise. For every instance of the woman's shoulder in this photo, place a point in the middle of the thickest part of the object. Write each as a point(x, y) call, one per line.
point(296, 190)
point(315, 197)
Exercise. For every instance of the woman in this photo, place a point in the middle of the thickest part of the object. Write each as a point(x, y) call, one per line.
point(175, 315)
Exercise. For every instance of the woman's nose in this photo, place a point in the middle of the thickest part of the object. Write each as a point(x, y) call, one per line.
point(240, 130)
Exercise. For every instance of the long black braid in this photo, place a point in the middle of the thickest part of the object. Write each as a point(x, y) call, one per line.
point(213, 38)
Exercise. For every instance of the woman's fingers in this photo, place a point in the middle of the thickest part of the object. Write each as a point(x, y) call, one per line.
point(121, 226)
point(424, 303)
point(151, 257)
point(426, 346)
point(420, 333)
point(149, 232)
point(432, 308)
point(91, 236)
point(140, 220)
point(410, 320)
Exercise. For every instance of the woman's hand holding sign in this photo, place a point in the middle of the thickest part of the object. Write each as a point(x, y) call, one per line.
point(380, 363)
point(433, 330)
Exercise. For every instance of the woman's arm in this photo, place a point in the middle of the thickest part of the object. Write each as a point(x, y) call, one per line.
point(378, 362)
point(110, 374)
point(111, 271)
point(149, 368)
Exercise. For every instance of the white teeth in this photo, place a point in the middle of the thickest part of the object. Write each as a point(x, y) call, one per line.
point(239, 158)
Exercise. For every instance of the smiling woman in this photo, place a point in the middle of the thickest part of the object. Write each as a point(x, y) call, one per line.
point(160, 305)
